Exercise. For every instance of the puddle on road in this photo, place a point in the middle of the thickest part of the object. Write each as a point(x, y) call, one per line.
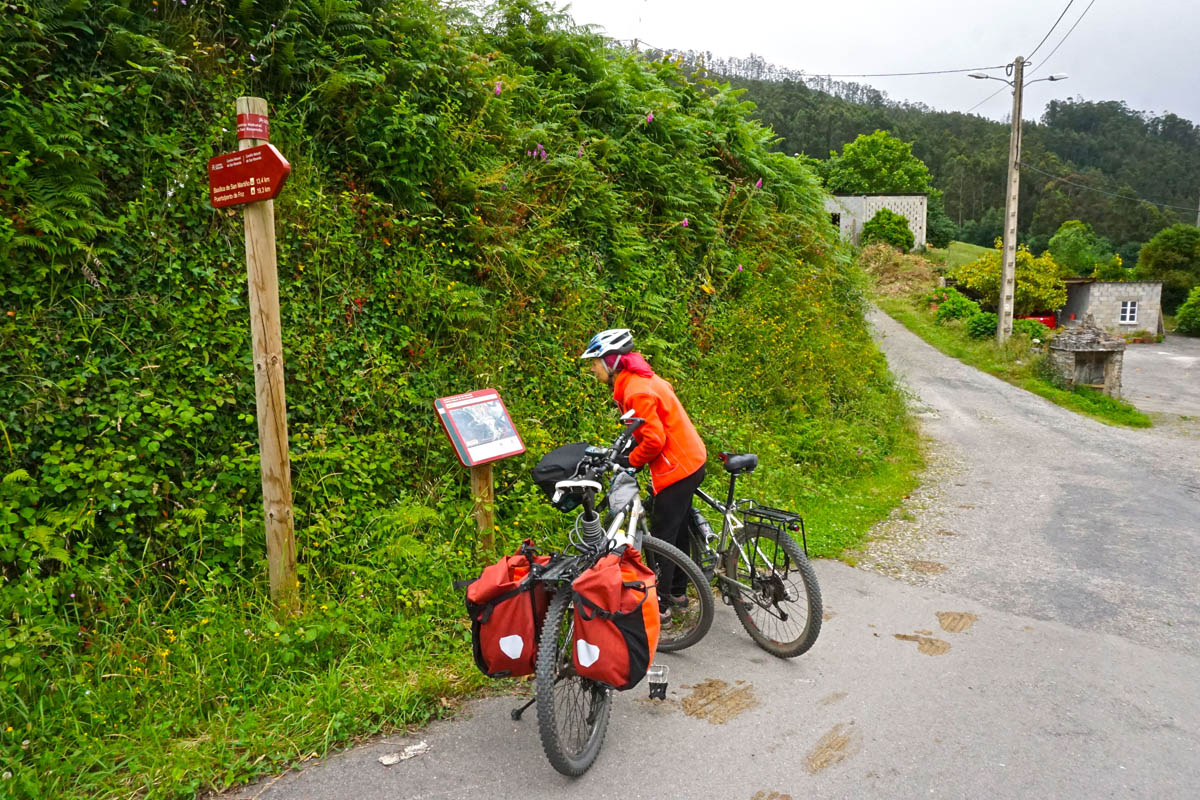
point(841, 742)
point(956, 621)
point(717, 702)
point(925, 644)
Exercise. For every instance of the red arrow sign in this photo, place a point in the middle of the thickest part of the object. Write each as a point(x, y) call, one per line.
point(246, 176)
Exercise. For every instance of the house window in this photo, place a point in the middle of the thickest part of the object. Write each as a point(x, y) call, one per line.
point(1128, 312)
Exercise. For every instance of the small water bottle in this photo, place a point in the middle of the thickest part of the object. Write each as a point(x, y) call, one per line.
point(656, 677)
point(701, 525)
point(703, 551)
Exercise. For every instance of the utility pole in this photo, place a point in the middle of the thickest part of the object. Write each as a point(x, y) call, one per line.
point(1008, 269)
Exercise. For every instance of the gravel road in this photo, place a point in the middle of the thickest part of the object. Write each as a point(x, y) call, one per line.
point(1035, 633)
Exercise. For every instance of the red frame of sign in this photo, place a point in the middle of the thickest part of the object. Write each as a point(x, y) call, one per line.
point(247, 176)
point(460, 436)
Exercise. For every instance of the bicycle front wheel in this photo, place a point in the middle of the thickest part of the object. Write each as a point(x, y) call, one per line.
point(778, 601)
point(572, 711)
point(691, 612)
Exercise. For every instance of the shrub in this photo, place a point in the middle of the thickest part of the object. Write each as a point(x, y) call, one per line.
point(1187, 318)
point(1038, 286)
point(890, 227)
point(982, 325)
point(1031, 328)
point(956, 305)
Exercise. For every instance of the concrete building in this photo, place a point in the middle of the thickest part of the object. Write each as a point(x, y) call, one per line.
point(1117, 307)
point(849, 212)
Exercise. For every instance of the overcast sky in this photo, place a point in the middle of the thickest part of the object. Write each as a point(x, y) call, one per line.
point(1145, 52)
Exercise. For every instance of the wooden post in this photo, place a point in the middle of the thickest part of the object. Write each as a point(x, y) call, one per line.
point(267, 339)
point(484, 495)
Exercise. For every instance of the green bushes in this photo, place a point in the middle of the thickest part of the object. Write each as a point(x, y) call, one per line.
point(1034, 329)
point(955, 305)
point(982, 325)
point(1038, 285)
point(1187, 318)
point(889, 227)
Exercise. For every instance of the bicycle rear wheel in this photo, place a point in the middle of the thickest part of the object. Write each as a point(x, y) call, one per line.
point(782, 609)
point(572, 711)
point(690, 620)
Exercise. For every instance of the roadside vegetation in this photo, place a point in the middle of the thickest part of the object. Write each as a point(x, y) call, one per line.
point(471, 198)
point(906, 289)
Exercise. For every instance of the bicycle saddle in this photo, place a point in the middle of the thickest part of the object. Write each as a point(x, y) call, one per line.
point(739, 463)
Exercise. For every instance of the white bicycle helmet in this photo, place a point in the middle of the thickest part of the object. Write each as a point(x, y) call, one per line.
point(613, 340)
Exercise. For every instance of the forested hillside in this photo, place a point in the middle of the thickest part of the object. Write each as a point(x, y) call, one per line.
point(1083, 160)
point(471, 198)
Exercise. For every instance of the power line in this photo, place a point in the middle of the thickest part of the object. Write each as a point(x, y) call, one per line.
point(899, 74)
point(984, 100)
point(1064, 38)
point(1039, 47)
point(1101, 191)
point(812, 74)
point(1052, 27)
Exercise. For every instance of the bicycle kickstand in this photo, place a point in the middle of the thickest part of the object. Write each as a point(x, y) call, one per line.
point(517, 712)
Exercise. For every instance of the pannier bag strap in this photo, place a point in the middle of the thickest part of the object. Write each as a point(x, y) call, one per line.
point(585, 605)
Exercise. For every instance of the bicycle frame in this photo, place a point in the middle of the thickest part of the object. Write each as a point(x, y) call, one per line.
point(728, 527)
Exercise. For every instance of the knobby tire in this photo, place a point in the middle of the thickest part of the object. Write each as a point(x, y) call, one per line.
point(786, 584)
point(572, 711)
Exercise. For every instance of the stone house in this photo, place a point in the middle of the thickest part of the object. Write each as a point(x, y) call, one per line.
point(849, 212)
point(1118, 307)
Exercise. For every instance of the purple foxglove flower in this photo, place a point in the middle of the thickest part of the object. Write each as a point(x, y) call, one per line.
point(580, 152)
point(650, 117)
point(543, 155)
point(739, 267)
point(759, 184)
point(497, 88)
point(685, 222)
point(504, 187)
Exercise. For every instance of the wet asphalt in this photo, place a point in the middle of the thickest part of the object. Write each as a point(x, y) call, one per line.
point(1057, 654)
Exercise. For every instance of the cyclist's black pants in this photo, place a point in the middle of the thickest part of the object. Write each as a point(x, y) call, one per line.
point(669, 523)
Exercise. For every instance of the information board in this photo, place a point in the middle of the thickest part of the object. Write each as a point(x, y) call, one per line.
point(479, 427)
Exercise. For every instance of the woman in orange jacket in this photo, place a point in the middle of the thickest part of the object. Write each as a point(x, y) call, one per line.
point(668, 442)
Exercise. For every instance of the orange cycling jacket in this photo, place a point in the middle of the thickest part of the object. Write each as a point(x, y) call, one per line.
point(668, 442)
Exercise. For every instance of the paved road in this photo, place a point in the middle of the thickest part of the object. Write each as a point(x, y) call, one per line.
point(1055, 655)
point(1164, 379)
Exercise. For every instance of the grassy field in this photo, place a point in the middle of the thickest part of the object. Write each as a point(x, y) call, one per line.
point(959, 253)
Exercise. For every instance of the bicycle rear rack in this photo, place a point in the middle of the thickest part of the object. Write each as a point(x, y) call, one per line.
point(777, 518)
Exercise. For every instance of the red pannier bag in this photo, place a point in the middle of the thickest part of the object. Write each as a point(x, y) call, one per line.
point(507, 608)
point(616, 620)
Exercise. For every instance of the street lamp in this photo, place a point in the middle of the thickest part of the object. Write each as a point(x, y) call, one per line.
point(1008, 268)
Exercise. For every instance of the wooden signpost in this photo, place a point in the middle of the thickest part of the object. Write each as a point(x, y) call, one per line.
point(253, 176)
point(479, 427)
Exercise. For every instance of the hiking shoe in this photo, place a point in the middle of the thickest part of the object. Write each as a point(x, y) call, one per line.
point(678, 600)
point(664, 616)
